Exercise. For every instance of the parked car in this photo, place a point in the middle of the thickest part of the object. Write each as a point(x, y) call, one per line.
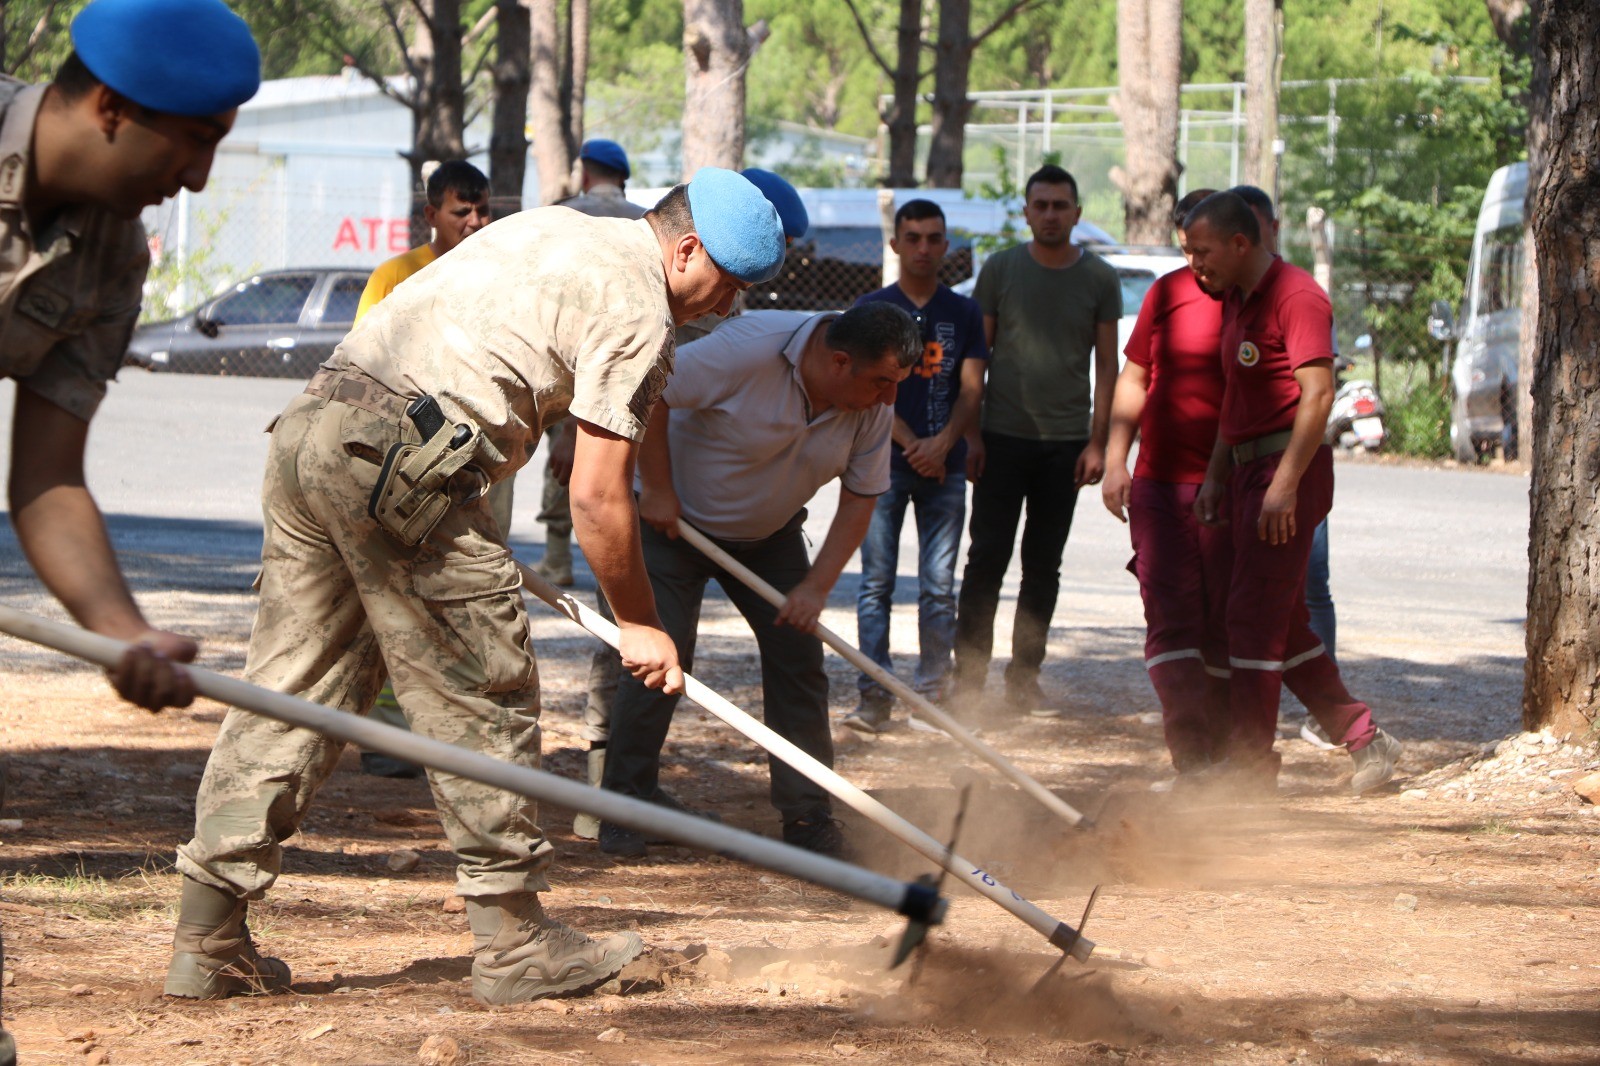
point(276, 324)
point(1488, 335)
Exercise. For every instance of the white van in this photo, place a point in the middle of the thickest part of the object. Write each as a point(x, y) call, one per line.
point(1483, 378)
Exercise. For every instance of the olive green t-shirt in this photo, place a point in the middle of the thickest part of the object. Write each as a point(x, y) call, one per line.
point(1038, 386)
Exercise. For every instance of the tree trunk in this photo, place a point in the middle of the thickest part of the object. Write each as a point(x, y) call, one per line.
point(1149, 69)
point(952, 65)
point(1563, 665)
point(547, 116)
point(508, 139)
point(439, 115)
point(1262, 37)
point(716, 50)
point(577, 71)
point(902, 117)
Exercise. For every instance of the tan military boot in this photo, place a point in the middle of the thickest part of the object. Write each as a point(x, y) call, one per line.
point(556, 566)
point(212, 954)
point(587, 826)
point(525, 955)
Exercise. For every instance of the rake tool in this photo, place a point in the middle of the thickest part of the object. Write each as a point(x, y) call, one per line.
point(925, 708)
point(1057, 932)
point(916, 901)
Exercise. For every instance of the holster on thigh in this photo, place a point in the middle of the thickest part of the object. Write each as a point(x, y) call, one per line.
point(412, 495)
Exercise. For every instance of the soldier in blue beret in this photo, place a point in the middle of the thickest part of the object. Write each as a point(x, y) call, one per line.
point(133, 116)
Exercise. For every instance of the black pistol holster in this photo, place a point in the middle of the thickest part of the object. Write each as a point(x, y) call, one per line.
point(412, 495)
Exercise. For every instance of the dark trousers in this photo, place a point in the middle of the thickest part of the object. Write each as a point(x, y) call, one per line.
point(1016, 472)
point(794, 686)
point(1270, 640)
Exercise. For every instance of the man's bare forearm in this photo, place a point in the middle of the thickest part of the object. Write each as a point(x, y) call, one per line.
point(845, 534)
point(1105, 381)
point(1310, 425)
point(1127, 407)
point(606, 522)
point(64, 537)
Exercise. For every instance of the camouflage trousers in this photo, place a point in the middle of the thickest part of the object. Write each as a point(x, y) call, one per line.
point(555, 506)
point(342, 602)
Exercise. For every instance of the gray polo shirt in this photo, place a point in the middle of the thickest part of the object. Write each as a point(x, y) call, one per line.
point(747, 454)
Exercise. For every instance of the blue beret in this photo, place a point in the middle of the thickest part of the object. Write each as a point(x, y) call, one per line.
point(182, 57)
point(607, 154)
point(784, 198)
point(737, 224)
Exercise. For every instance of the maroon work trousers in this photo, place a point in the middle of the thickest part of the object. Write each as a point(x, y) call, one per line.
point(1183, 569)
point(1270, 642)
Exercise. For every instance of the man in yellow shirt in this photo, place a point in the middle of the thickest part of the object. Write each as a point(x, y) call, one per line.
point(458, 207)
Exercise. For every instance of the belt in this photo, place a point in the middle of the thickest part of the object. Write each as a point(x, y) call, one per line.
point(1261, 447)
point(355, 388)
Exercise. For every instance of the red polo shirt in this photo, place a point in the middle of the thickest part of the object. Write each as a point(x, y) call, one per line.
point(1284, 324)
point(1176, 340)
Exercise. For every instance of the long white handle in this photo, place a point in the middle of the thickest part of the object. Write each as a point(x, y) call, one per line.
point(913, 900)
point(1056, 931)
point(927, 709)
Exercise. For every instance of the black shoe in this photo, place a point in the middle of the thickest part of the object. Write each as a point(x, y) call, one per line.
point(871, 714)
point(377, 764)
point(1027, 698)
point(621, 841)
point(818, 831)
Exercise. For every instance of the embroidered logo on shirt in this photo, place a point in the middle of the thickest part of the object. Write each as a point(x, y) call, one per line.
point(1249, 354)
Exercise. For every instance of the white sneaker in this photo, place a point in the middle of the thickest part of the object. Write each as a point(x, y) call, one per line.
point(1313, 733)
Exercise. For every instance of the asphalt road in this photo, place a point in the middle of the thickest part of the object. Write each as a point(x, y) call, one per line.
point(1429, 563)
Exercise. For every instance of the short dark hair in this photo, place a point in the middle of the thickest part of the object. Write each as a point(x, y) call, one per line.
point(1187, 204)
point(873, 330)
point(671, 217)
point(601, 172)
point(917, 211)
point(74, 79)
point(1256, 198)
point(457, 176)
point(1050, 174)
point(1228, 213)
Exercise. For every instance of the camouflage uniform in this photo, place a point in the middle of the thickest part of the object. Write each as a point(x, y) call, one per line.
point(69, 295)
point(541, 312)
point(603, 200)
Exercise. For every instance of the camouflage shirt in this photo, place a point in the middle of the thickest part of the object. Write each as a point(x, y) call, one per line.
point(540, 313)
point(69, 294)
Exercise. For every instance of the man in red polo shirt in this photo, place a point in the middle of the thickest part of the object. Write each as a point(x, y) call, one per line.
point(1170, 392)
point(1276, 324)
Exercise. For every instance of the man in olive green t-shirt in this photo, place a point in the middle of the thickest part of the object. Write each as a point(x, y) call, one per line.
point(1049, 308)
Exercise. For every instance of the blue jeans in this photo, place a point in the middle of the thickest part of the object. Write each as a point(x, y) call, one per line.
point(1319, 600)
point(940, 509)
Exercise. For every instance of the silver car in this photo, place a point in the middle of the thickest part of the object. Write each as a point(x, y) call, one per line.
point(276, 324)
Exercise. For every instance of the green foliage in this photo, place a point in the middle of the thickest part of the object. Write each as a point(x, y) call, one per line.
point(36, 38)
point(1419, 422)
point(177, 284)
point(1401, 175)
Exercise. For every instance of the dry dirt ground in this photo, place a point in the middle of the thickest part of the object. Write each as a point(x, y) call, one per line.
point(1451, 918)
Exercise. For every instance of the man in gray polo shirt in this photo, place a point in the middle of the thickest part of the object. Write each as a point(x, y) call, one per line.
point(755, 419)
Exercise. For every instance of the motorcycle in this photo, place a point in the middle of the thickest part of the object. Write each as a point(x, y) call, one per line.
point(1356, 419)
